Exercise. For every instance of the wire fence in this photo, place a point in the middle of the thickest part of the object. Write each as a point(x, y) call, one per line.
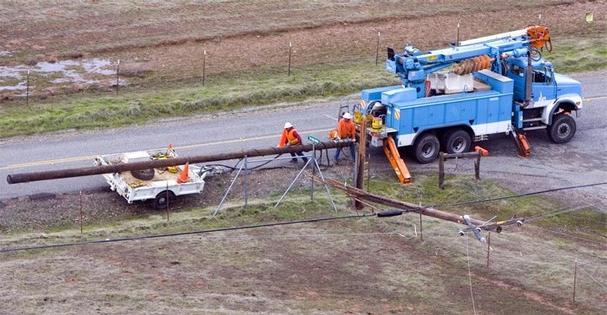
point(200, 66)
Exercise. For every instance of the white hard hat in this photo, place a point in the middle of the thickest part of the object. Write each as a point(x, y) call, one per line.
point(288, 125)
point(347, 115)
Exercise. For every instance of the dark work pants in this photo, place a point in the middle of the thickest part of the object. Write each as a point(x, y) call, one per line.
point(352, 152)
point(303, 157)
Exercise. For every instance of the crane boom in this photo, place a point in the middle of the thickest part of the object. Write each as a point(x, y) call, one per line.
point(413, 65)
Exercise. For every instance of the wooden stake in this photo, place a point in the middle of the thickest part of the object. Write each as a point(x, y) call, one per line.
point(167, 200)
point(81, 215)
point(488, 247)
point(477, 167)
point(574, 277)
point(421, 229)
point(441, 170)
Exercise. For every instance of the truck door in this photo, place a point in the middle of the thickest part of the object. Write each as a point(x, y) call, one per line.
point(517, 74)
point(544, 87)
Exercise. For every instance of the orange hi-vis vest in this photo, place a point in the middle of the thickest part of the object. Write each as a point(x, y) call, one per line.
point(346, 129)
point(288, 136)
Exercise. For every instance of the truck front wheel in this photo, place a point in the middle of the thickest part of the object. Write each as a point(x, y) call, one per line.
point(562, 128)
point(426, 148)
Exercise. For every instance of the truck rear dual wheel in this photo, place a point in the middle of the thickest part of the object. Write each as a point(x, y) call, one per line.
point(562, 129)
point(457, 141)
point(426, 148)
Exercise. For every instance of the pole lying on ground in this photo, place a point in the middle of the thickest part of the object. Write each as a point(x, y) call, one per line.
point(116, 168)
point(409, 207)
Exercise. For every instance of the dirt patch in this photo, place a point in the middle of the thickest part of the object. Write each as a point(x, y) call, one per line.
point(325, 268)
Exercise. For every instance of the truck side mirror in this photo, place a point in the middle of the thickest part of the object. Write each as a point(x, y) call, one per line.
point(391, 54)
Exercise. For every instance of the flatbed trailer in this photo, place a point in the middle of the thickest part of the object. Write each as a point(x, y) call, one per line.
point(161, 187)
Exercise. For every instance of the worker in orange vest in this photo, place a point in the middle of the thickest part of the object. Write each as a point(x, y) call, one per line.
point(291, 137)
point(346, 130)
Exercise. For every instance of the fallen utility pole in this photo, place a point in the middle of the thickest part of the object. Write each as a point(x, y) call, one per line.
point(123, 167)
point(409, 207)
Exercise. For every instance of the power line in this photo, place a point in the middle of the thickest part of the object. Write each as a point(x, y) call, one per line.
point(522, 195)
point(145, 237)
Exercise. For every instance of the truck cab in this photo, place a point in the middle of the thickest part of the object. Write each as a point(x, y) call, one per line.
point(551, 96)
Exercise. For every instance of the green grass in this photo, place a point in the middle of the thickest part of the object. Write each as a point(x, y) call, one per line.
point(587, 222)
point(234, 91)
point(225, 92)
point(577, 55)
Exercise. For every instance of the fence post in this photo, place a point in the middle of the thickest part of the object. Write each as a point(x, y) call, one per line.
point(377, 49)
point(117, 76)
point(290, 51)
point(27, 88)
point(204, 66)
point(441, 170)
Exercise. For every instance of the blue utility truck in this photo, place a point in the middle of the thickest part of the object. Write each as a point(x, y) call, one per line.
point(451, 97)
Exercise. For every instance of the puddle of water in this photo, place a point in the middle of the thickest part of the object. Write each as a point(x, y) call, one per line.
point(21, 86)
point(72, 72)
point(99, 66)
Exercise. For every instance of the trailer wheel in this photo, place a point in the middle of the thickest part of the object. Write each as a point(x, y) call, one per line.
point(562, 128)
point(457, 141)
point(160, 202)
point(426, 148)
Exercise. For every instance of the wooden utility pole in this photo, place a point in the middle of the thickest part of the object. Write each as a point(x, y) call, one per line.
point(115, 168)
point(360, 166)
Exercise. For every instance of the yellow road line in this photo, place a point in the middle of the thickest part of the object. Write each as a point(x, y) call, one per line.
point(595, 98)
point(186, 147)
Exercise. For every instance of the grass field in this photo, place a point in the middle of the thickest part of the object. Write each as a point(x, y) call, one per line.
point(334, 52)
point(356, 265)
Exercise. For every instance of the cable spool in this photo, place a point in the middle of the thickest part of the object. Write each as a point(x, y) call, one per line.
point(473, 65)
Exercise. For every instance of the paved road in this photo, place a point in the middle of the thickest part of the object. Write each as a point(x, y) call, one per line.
point(580, 161)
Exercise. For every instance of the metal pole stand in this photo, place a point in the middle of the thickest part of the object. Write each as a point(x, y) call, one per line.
point(225, 195)
point(315, 166)
point(442, 157)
